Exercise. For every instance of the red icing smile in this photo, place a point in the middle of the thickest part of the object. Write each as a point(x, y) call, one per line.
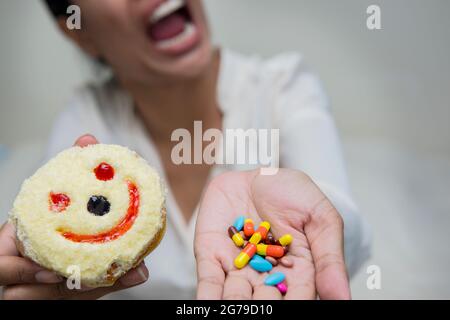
point(121, 228)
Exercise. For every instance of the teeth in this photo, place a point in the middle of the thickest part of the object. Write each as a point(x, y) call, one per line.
point(189, 29)
point(166, 8)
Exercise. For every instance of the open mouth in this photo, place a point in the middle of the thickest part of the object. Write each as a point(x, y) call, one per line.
point(171, 27)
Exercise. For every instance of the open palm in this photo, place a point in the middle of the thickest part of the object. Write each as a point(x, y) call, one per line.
point(293, 204)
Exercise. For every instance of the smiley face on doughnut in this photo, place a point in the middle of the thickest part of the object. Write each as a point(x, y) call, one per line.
point(100, 208)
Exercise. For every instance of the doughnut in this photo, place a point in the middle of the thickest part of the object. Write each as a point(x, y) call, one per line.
point(100, 208)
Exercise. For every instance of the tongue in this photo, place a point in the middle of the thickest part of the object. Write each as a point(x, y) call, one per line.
point(168, 27)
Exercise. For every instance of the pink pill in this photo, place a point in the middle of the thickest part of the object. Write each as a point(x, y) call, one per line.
point(282, 287)
point(273, 261)
point(287, 262)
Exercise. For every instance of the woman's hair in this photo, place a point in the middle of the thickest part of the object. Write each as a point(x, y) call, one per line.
point(58, 7)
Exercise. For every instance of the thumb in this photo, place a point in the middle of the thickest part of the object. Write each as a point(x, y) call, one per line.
point(15, 270)
point(85, 140)
point(325, 232)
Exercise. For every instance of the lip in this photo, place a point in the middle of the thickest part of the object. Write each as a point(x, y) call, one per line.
point(174, 50)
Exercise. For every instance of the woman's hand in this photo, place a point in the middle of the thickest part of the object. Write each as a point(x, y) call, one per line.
point(293, 204)
point(23, 279)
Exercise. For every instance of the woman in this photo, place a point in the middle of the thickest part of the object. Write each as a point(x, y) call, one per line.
point(166, 76)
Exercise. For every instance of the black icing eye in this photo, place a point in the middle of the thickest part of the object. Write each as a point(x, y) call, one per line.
point(98, 205)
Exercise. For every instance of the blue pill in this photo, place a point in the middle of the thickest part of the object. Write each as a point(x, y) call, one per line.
point(239, 223)
point(260, 264)
point(274, 279)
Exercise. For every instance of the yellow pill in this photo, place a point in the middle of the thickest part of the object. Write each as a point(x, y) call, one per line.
point(235, 236)
point(270, 250)
point(261, 249)
point(260, 233)
point(285, 240)
point(244, 257)
point(256, 238)
point(238, 240)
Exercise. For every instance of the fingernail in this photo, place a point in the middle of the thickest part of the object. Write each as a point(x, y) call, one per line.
point(134, 277)
point(142, 274)
point(45, 276)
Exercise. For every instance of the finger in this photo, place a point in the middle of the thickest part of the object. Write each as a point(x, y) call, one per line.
point(85, 140)
point(325, 232)
point(237, 286)
point(62, 291)
point(300, 280)
point(263, 292)
point(211, 278)
point(132, 278)
point(8, 240)
point(135, 276)
point(15, 270)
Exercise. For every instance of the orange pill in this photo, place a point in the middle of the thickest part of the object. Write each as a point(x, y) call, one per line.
point(244, 257)
point(249, 228)
point(260, 233)
point(270, 250)
point(235, 236)
point(263, 229)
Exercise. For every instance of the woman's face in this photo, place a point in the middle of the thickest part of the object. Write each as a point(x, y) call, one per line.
point(146, 40)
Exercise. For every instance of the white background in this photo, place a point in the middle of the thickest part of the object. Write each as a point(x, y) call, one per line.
point(390, 93)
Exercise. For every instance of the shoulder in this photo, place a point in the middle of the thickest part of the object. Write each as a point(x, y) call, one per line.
point(282, 68)
point(284, 78)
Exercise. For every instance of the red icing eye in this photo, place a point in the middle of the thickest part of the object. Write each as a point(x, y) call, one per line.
point(104, 172)
point(58, 201)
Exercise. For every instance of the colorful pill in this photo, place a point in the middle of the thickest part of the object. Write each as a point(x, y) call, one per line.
point(239, 223)
point(270, 250)
point(274, 279)
point(235, 236)
point(286, 262)
point(260, 264)
point(255, 238)
point(249, 228)
point(260, 233)
point(272, 260)
point(244, 257)
point(270, 239)
point(282, 287)
point(285, 240)
point(263, 229)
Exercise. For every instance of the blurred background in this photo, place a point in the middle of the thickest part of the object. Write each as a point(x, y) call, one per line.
point(390, 94)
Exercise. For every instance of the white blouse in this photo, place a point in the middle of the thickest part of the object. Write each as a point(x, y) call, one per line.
point(252, 93)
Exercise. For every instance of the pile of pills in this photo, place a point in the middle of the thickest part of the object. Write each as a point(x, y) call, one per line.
point(261, 250)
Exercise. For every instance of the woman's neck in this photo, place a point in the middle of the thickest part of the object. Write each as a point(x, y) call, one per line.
point(165, 108)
